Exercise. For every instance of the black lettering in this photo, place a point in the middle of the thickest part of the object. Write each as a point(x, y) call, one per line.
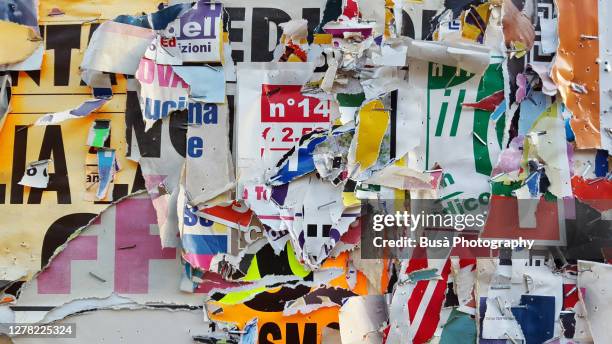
point(267, 329)
point(407, 25)
point(260, 31)
point(332, 10)
point(293, 334)
point(33, 74)
point(138, 184)
point(235, 34)
point(322, 68)
point(427, 25)
point(312, 15)
point(53, 146)
point(20, 143)
point(275, 302)
point(58, 233)
point(62, 39)
point(92, 29)
point(149, 143)
point(231, 111)
point(178, 131)
point(120, 191)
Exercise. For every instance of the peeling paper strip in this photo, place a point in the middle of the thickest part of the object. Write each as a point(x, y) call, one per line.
point(82, 110)
point(380, 80)
point(300, 160)
point(470, 57)
point(489, 103)
point(402, 178)
point(318, 298)
point(235, 215)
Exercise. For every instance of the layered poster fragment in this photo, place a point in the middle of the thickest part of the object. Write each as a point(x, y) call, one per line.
point(355, 171)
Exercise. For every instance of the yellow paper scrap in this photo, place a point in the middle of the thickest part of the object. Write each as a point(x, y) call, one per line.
point(21, 39)
point(373, 123)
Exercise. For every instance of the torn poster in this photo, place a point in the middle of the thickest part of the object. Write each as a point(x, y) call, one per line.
point(209, 168)
point(33, 95)
point(390, 101)
point(475, 141)
point(201, 239)
point(319, 219)
point(198, 32)
point(119, 248)
point(272, 114)
point(162, 92)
